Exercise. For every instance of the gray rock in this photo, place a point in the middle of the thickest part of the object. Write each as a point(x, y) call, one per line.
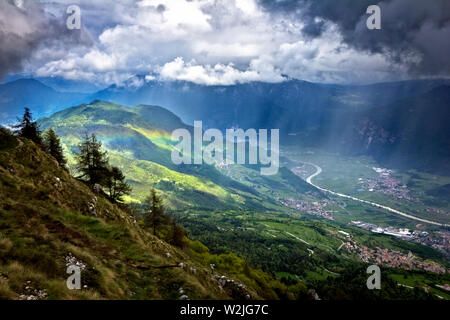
point(91, 207)
point(314, 294)
point(97, 188)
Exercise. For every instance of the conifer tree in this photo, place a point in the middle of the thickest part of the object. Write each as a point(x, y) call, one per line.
point(53, 147)
point(92, 161)
point(154, 215)
point(177, 235)
point(116, 185)
point(27, 128)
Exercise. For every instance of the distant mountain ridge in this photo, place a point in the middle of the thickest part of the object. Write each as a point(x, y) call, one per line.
point(369, 119)
point(289, 105)
point(41, 99)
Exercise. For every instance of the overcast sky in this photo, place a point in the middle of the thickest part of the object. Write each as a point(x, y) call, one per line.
point(226, 41)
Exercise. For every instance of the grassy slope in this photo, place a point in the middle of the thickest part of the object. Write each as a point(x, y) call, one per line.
point(43, 221)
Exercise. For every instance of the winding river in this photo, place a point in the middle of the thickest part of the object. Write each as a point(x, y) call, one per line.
point(319, 171)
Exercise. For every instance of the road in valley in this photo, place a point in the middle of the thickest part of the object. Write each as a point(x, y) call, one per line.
point(319, 171)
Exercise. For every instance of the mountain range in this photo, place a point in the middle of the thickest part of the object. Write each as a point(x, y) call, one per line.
point(400, 124)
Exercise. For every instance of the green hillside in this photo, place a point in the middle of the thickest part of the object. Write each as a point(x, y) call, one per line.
point(138, 142)
point(48, 219)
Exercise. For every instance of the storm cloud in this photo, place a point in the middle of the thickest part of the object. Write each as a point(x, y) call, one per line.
point(225, 42)
point(414, 32)
point(25, 27)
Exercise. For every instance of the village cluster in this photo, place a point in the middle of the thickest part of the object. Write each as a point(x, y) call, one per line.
point(315, 208)
point(440, 242)
point(386, 184)
point(387, 257)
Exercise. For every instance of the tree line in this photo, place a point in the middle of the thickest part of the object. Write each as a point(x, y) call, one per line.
point(92, 161)
point(93, 168)
point(49, 141)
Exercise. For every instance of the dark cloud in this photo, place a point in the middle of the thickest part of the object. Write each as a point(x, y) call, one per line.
point(26, 28)
point(161, 8)
point(414, 32)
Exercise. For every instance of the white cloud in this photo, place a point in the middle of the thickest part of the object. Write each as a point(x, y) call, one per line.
point(176, 16)
point(205, 41)
point(218, 74)
point(247, 6)
point(326, 59)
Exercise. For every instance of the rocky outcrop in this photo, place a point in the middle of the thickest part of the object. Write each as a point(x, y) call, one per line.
point(92, 206)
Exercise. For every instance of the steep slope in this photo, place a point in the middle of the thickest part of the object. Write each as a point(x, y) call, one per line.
point(407, 133)
point(413, 132)
point(49, 220)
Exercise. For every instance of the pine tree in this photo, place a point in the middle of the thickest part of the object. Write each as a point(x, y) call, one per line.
point(92, 162)
point(27, 128)
point(116, 185)
point(53, 147)
point(154, 215)
point(246, 269)
point(178, 235)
